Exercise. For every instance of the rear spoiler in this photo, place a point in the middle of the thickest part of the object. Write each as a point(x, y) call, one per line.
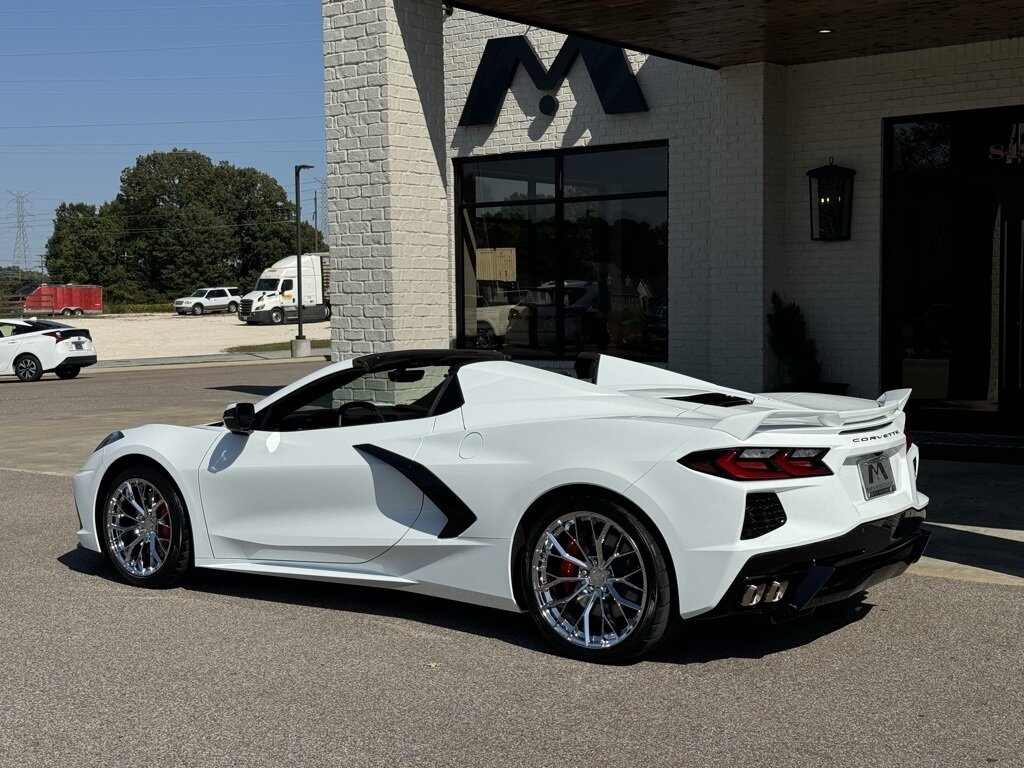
point(743, 425)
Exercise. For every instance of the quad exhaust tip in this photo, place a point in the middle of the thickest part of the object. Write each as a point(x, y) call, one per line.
point(765, 592)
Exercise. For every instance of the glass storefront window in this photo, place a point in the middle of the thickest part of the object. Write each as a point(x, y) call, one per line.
point(502, 181)
point(551, 270)
point(920, 145)
point(627, 171)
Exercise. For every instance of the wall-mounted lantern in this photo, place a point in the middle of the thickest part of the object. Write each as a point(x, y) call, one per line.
point(831, 190)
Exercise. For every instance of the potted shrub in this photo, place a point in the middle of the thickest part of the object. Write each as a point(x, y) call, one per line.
point(796, 350)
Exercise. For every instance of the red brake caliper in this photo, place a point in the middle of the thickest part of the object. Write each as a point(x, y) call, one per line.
point(567, 569)
point(163, 531)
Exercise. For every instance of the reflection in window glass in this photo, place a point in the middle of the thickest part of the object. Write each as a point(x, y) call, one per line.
point(503, 181)
point(547, 280)
point(506, 250)
point(616, 173)
point(920, 145)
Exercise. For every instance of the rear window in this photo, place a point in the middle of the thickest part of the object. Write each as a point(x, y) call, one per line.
point(44, 325)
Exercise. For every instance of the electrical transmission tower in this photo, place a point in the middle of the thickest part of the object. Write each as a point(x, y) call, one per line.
point(20, 255)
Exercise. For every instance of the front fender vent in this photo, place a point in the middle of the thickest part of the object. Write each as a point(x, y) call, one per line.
point(764, 513)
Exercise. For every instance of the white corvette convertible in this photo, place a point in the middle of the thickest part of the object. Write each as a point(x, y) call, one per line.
point(608, 505)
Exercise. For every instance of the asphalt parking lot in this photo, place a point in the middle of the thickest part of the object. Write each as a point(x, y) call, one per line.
point(254, 671)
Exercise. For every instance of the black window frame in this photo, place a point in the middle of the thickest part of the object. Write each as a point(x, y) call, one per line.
point(559, 202)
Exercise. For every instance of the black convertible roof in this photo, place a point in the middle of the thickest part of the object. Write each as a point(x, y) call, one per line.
point(416, 357)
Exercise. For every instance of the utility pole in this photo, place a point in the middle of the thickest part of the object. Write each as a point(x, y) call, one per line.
point(316, 231)
point(20, 255)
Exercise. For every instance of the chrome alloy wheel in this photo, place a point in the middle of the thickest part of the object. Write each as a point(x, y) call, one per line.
point(27, 368)
point(138, 527)
point(589, 580)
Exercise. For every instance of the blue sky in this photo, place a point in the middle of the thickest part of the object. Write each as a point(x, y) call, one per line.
point(87, 86)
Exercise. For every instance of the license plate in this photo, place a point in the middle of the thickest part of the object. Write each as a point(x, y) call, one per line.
point(876, 477)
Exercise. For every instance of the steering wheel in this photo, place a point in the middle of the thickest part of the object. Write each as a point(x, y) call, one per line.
point(359, 404)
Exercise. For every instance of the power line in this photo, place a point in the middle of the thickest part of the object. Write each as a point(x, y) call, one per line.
point(152, 50)
point(92, 27)
point(282, 4)
point(213, 143)
point(122, 93)
point(160, 78)
point(162, 122)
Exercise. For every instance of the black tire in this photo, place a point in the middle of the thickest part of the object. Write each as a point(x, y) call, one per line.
point(276, 316)
point(67, 371)
point(641, 632)
point(28, 368)
point(169, 524)
point(78, 312)
point(233, 308)
point(66, 312)
point(485, 338)
point(327, 311)
point(197, 309)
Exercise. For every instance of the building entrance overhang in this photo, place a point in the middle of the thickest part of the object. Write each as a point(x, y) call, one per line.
point(720, 33)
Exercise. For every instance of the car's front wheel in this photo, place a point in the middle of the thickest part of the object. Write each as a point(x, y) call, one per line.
point(28, 368)
point(67, 371)
point(197, 309)
point(596, 581)
point(145, 528)
point(276, 317)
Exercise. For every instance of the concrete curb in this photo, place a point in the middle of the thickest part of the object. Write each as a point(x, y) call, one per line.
point(196, 361)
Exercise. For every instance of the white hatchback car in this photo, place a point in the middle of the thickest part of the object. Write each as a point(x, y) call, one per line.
point(209, 300)
point(29, 348)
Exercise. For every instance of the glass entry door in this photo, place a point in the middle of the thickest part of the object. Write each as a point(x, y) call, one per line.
point(953, 236)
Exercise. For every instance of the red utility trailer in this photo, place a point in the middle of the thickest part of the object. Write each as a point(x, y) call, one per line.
point(62, 300)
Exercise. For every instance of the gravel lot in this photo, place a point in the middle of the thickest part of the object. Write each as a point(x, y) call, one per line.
point(133, 337)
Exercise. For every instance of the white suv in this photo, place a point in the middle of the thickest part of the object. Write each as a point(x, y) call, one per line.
point(209, 300)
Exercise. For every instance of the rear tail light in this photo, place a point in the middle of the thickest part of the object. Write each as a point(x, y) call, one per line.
point(54, 334)
point(759, 463)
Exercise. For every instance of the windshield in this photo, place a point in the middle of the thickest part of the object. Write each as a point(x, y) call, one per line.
point(266, 284)
point(200, 293)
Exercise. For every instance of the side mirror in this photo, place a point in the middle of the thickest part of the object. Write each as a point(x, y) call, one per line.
point(240, 417)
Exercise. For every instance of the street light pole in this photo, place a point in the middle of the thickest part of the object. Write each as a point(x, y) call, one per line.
point(299, 345)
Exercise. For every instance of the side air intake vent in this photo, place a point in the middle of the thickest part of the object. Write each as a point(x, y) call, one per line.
point(764, 514)
point(715, 398)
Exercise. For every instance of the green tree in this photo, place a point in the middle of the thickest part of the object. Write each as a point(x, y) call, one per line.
point(86, 242)
point(179, 221)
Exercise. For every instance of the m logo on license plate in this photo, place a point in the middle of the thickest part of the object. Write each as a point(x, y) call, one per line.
point(876, 477)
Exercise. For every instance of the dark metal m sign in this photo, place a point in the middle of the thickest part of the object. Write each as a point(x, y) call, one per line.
point(615, 83)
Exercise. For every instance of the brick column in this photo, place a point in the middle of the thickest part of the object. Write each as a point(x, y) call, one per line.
point(391, 276)
point(746, 227)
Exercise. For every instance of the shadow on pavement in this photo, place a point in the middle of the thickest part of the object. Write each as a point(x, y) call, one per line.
point(696, 642)
point(260, 390)
point(993, 553)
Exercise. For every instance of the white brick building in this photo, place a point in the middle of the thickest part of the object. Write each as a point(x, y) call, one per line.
point(737, 143)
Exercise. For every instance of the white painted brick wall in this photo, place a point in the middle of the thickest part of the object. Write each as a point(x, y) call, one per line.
point(384, 95)
point(740, 143)
point(680, 111)
point(836, 109)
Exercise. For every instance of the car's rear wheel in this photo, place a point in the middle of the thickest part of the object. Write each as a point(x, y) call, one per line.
point(79, 312)
point(596, 581)
point(28, 368)
point(145, 528)
point(233, 307)
point(67, 371)
point(197, 309)
point(66, 312)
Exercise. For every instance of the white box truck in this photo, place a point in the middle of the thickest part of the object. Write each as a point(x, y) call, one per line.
point(275, 298)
